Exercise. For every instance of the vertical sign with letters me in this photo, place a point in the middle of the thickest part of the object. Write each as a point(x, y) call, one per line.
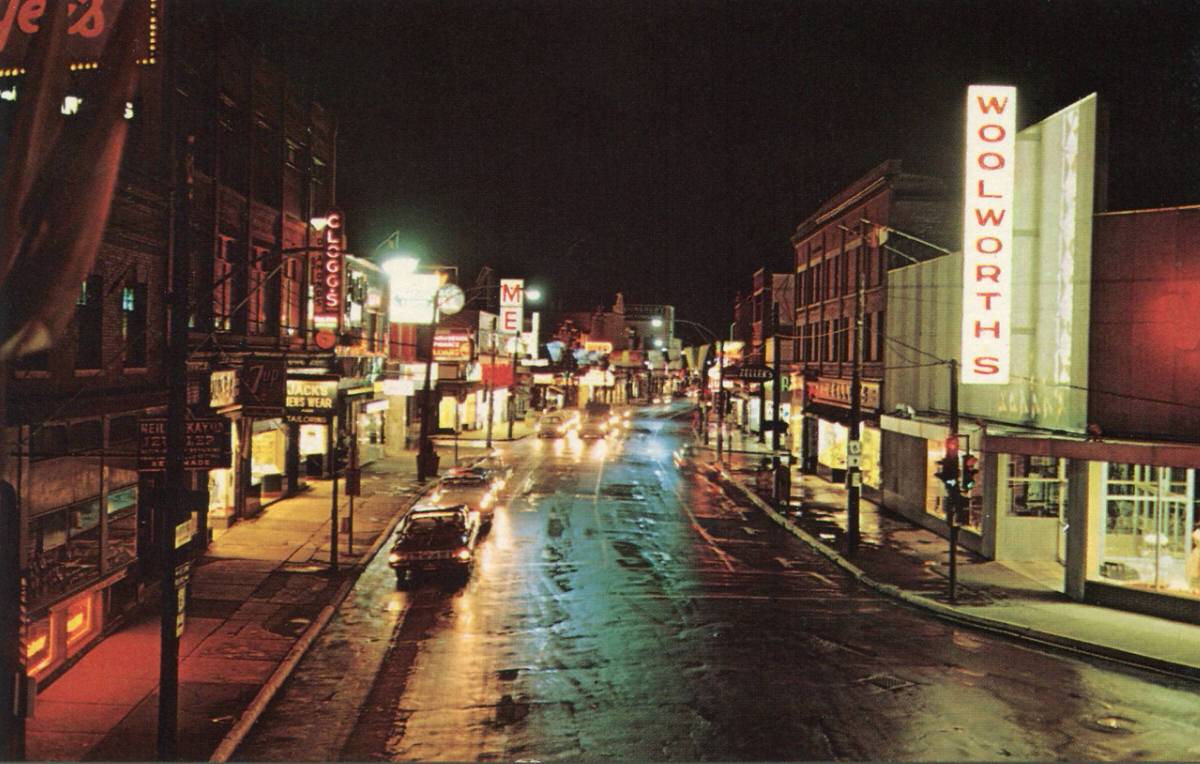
point(512, 305)
point(988, 233)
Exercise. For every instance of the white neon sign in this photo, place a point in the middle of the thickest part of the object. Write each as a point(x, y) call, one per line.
point(987, 233)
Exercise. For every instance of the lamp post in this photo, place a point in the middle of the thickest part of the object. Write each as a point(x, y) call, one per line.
point(709, 333)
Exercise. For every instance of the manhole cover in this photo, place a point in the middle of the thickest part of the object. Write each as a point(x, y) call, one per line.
point(886, 682)
point(1114, 725)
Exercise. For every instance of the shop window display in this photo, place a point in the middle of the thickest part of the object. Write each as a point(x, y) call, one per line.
point(122, 527)
point(39, 646)
point(64, 550)
point(1037, 486)
point(1150, 521)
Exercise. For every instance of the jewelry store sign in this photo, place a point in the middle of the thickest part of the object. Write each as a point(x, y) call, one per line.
point(838, 393)
point(207, 444)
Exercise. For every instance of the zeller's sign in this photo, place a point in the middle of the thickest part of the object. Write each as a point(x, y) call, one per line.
point(987, 233)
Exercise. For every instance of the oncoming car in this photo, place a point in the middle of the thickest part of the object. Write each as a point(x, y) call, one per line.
point(593, 429)
point(436, 539)
point(555, 425)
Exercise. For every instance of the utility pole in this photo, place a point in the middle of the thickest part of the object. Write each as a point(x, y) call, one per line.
point(854, 443)
point(953, 495)
point(491, 390)
point(14, 684)
point(172, 497)
point(333, 503)
point(720, 398)
point(775, 395)
point(512, 391)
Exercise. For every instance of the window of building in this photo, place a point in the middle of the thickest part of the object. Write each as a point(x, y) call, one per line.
point(48, 441)
point(122, 527)
point(234, 147)
point(879, 335)
point(223, 286)
point(868, 337)
point(86, 437)
point(256, 291)
point(292, 278)
point(122, 429)
point(267, 166)
point(1151, 536)
point(133, 325)
point(89, 323)
point(1037, 486)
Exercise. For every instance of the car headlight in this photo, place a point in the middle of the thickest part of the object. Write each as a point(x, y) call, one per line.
point(394, 557)
point(464, 554)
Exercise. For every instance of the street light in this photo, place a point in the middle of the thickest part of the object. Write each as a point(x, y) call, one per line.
point(720, 382)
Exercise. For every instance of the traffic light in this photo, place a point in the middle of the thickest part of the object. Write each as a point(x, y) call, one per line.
point(970, 470)
point(948, 473)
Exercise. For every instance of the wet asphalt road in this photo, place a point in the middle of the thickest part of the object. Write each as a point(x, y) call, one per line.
point(622, 611)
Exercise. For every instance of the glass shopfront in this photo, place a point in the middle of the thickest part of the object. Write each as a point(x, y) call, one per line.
point(1151, 528)
point(268, 455)
point(222, 497)
point(831, 450)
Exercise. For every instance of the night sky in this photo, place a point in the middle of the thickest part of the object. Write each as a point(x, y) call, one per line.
point(668, 149)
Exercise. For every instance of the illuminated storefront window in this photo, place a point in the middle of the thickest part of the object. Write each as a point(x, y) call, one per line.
point(122, 527)
point(268, 449)
point(79, 620)
point(1037, 486)
point(1151, 539)
point(39, 646)
point(831, 449)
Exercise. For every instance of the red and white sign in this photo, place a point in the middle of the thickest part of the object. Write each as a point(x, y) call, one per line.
point(512, 305)
point(987, 233)
point(89, 25)
point(328, 273)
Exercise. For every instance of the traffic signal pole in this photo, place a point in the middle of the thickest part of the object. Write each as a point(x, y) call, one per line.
point(954, 496)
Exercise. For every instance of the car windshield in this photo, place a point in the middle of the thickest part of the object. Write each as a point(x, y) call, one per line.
point(432, 530)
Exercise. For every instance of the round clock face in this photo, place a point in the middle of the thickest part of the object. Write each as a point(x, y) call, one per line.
point(450, 299)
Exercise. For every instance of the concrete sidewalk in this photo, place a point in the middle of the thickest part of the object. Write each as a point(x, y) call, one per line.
point(910, 564)
point(257, 599)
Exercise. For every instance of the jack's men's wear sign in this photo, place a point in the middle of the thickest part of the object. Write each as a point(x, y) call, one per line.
point(988, 233)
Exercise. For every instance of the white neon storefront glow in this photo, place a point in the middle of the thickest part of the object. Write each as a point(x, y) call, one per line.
point(988, 233)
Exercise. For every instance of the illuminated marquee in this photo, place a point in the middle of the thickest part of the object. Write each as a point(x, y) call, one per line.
point(987, 233)
point(327, 279)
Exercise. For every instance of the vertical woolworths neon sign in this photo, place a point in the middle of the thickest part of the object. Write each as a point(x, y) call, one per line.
point(987, 234)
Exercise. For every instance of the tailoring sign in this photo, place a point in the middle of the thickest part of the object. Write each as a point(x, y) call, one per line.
point(988, 234)
point(512, 305)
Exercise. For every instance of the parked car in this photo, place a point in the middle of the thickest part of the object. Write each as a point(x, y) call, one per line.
point(475, 491)
point(435, 539)
point(495, 464)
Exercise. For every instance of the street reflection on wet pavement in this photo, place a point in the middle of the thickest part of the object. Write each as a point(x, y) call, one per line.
point(622, 610)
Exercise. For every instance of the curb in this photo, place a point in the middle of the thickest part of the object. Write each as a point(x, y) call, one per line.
point(267, 692)
point(955, 615)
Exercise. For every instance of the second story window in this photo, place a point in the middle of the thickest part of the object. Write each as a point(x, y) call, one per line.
point(89, 322)
point(133, 325)
point(223, 287)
